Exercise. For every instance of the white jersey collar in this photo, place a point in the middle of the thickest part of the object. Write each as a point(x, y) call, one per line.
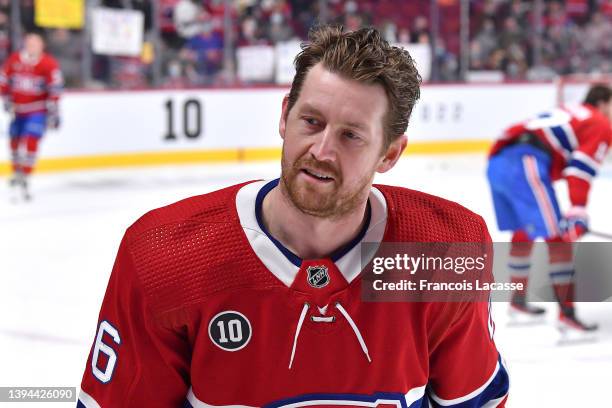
point(279, 263)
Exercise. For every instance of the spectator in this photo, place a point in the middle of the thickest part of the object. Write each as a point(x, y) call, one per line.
point(484, 43)
point(279, 30)
point(519, 10)
point(353, 21)
point(389, 30)
point(420, 28)
point(511, 34)
point(605, 7)
point(403, 36)
point(66, 46)
point(251, 33)
point(598, 34)
point(5, 35)
point(576, 37)
point(175, 75)
point(204, 55)
point(188, 18)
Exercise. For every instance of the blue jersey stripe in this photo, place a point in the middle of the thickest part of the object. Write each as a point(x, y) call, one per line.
point(344, 398)
point(562, 273)
point(420, 403)
point(562, 137)
point(582, 166)
point(519, 267)
point(496, 389)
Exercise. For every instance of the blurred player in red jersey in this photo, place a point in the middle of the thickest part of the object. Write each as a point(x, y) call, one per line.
point(251, 295)
point(30, 83)
point(568, 143)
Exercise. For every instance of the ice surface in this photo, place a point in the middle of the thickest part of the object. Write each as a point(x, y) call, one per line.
point(58, 250)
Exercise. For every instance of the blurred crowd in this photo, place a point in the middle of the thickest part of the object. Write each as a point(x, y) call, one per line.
point(572, 36)
point(198, 38)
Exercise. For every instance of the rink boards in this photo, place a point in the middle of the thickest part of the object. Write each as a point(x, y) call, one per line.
point(133, 128)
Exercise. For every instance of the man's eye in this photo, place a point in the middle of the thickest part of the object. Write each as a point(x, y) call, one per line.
point(351, 135)
point(311, 121)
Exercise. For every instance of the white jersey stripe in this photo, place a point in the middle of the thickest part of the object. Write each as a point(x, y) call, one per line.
point(519, 261)
point(576, 172)
point(554, 142)
point(563, 278)
point(561, 266)
point(31, 106)
point(414, 395)
point(315, 403)
point(476, 392)
point(586, 159)
point(494, 403)
point(88, 400)
point(541, 195)
point(411, 397)
point(196, 403)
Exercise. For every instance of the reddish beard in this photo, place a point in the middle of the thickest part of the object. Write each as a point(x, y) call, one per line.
point(333, 202)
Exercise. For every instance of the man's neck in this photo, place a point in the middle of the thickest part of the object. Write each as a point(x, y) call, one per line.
point(307, 236)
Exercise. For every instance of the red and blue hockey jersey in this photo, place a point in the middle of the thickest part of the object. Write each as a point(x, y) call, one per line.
point(578, 138)
point(29, 85)
point(205, 308)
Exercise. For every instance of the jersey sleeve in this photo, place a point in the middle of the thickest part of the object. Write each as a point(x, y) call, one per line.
point(54, 79)
point(585, 161)
point(466, 370)
point(5, 78)
point(135, 361)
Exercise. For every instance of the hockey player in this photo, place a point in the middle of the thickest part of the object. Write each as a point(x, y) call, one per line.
point(30, 83)
point(251, 295)
point(569, 143)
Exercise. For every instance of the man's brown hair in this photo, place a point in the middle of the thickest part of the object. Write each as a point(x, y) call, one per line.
point(364, 56)
point(598, 93)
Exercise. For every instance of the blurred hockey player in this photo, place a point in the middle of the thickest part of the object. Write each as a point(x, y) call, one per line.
point(30, 84)
point(569, 143)
point(250, 296)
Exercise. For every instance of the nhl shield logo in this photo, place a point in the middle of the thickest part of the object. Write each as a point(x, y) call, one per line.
point(318, 277)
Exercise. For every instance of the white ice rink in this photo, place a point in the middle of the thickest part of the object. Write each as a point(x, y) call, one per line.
point(56, 254)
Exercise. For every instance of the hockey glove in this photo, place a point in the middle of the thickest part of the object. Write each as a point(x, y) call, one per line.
point(575, 224)
point(8, 105)
point(53, 118)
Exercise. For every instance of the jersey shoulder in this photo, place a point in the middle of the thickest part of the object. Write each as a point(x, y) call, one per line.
point(602, 121)
point(593, 126)
point(12, 59)
point(211, 207)
point(588, 114)
point(415, 216)
point(48, 61)
point(184, 252)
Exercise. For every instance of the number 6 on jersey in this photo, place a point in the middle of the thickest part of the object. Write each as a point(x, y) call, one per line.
point(106, 374)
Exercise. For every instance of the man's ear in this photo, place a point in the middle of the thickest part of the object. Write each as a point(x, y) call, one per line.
point(283, 119)
point(392, 154)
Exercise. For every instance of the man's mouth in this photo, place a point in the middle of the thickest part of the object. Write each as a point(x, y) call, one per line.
point(317, 175)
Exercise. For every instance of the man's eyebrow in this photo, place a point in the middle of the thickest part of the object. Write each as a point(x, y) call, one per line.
point(356, 125)
point(306, 107)
point(309, 108)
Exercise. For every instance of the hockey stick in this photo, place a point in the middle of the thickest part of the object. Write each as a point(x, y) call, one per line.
point(600, 234)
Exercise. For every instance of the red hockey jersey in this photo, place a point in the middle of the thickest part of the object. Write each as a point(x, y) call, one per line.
point(204, 308)
point(30, 84)
point(578, 137)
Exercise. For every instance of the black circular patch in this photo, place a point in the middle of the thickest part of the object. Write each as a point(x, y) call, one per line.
point(230, 330)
